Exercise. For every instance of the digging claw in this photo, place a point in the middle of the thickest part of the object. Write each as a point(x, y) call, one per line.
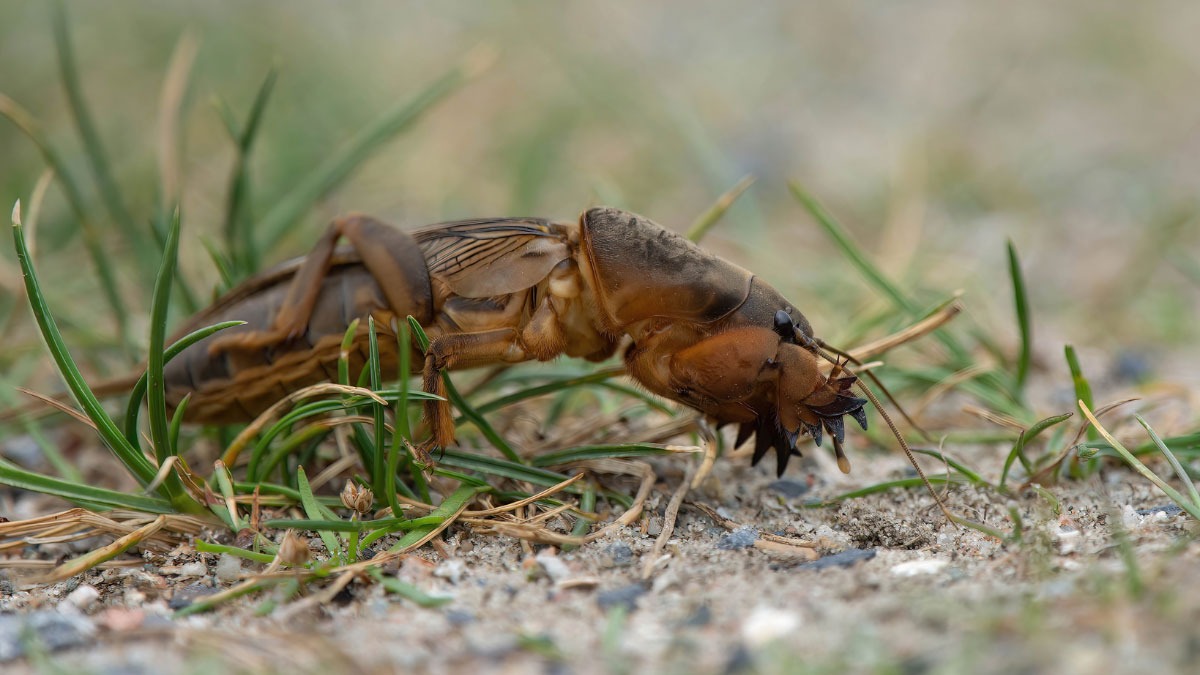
point(860, 416)
point(837, 428)
point(814, 430)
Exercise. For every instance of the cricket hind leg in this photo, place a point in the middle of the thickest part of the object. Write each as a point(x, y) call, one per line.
point(391, 256)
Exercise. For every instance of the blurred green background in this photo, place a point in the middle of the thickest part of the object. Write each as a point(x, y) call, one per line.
point(934, 130)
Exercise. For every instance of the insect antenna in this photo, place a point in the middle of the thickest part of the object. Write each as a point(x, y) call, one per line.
point(952, 517)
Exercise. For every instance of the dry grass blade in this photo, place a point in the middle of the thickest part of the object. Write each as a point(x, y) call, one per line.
point(708, 443)
point(528, 500)
point(1047, 473)
point(916, 331)
point(163, 472)
point(669, 516)
point(77, 524)
point(86, 562)
point(333, 470)
point(629, 468)
point(950, 382)
point(275, 411)
point(58, 405)
point(706, 220)
point(170, 103)
point(771, 543)
point(530, 532)
point(996, 418)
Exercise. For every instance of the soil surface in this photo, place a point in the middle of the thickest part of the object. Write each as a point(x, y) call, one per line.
point(898, 589)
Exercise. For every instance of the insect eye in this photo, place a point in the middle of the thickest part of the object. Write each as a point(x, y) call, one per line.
point(784, 325)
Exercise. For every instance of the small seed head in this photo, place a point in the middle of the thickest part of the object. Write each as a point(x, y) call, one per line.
point(293, 550)
point(357, 498)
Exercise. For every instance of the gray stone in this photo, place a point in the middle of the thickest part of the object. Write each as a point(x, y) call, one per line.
point(625, 596)
point(620, 554)
point(1171, 510)
point(740, 538)
point(458, 617)
point(846, 558)
point(49, 630)
point(189, 594)
point(789, 488)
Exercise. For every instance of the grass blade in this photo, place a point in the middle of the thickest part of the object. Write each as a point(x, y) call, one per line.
point(239, 238)
point(405, 589)
point(1083, 389)
point(342, 162)
point(403, 432)
point(14, 476)
point(449, 506)
point(205, 547)
point(96, 155)
point(548, 388)
point(1018, 449)
point(1185, 504)
point(706, 220)
point(1021, 299)
point(315, 512)
point(954, 464)
point(851, 250)
point(354, 525)
point(156, 388)
point(379, 481)
point(91, 239)
point(501, 467)
point(130, 456)
point(610, 451)
point(1162, 447)
point(139, 389)
point(934, 479)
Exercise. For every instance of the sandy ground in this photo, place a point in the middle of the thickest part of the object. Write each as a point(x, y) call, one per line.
point(899, 590)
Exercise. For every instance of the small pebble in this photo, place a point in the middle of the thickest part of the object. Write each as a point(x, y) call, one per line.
point(619, 554)
point(189, 594)
point(846, 558)
point(452, 570)
point(913, 568)
point(552, 565)
point(120, 619)
point(193, 569)
point(766, 624)
point(625, 596)
point(701, 617)
point(1167, 510)
point(654, 527)
point(458, 617)
point(229, 568)
point(789, 488)
point(82, 597)
point(53, 630)
point(740, 538)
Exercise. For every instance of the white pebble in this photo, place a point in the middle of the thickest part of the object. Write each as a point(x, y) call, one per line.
point(82, 597)
point(766, 624)
point(451, 570)
point(555, 568)
point(913, 568)
point(229, 568)
point(193, 569)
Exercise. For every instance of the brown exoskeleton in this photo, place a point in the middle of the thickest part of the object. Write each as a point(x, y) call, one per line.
point(703, 331)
